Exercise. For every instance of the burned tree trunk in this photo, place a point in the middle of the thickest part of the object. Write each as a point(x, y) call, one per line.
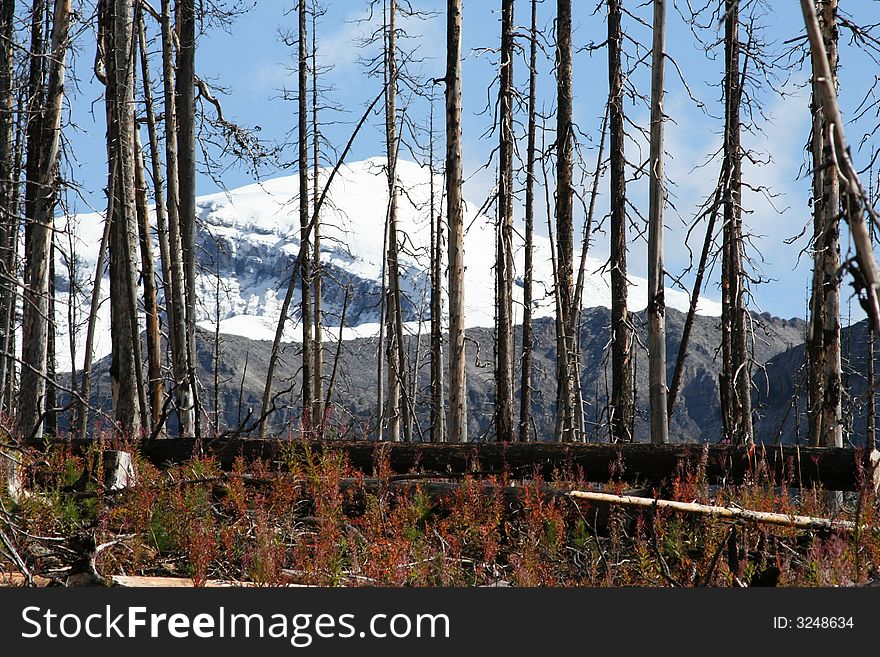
point(525, 400)
point(622, 377)
point(177, 309)
point(186, 173)
point(438, 401)
point(736, 405)
point(8, 211)
point(396, 413)
point(566, 328)
point(42, 185)
point(306, 267)
point(318, 408)
point(458, 429)
point(126, 376)
point(824, 412)
point(504, 270)
point(657, 203)
point(156, 388)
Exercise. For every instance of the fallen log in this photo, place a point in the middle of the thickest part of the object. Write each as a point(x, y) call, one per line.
point(790, 465)
point(732, 513)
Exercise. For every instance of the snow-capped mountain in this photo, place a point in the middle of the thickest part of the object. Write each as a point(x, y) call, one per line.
point(249, 237)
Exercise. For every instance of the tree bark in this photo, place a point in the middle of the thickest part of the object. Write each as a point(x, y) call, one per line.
point(30, 406)
point(824, 413)
point(155, 385)
point(10, 381)
point(42, 164)
point(9, 221)
point(396, 414)
point(657, 204)
point(525, 400)
point(162, 228)
point(306, 278)
point(736, 371)
point(504, 268)
point(50, 427)
point(177, 315)
point(438, 400)
point(126, 375)
point(318, 410)
point(622, 377)
point(186, 151)
point(565, 341)
point(458, 429)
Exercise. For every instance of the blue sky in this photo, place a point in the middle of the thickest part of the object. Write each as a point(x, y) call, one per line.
point(251, 61)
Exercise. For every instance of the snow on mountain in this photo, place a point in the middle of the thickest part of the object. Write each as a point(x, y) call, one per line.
point(249, 237)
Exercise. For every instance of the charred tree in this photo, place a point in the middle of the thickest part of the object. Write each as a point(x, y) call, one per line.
point(185, 107)
point(177, 315)
point(126, 375)
point(525, 401)
point(304, 213)
point(824, 349)
point(458, 429)
point(162, 229)
point(155, 382)
point(396, 413)
point(318, 409)
point(622, 377)
point(566, 367)
point(44, 140)
point(504, 268)
point(438, 397)
point(735, 385)
point(9, 216)
point(656, 207)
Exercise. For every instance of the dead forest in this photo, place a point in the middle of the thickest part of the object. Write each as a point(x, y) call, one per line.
point(576, 446)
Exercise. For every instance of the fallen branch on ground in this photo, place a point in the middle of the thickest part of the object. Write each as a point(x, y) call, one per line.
point(733, 513)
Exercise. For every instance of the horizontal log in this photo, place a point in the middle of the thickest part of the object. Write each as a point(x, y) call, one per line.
point(833, 468)
point(729, 512)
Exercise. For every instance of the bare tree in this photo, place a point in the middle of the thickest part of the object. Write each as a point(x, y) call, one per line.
point(438, 401)
point(177, 307)
point(43, 184)
point(185, 107)
point(622, 377)
point(126, 375)
point(504, 268)
point(155, 385)
point(396, 414)
point(305, 279)
point(525, 402)
point(9, 217)
point(657, 203)
point(318, 409)
point(823, 338)
point(736, 381)
point(458, 429)
point(566, 328)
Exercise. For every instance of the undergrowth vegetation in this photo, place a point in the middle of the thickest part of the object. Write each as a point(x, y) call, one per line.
point(310, 519)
